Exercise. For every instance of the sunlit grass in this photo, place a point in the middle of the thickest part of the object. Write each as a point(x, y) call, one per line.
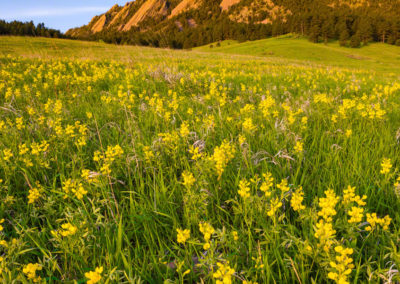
point(128, 164)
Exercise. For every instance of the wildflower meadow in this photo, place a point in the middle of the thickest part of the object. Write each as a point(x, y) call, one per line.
point(190, 167)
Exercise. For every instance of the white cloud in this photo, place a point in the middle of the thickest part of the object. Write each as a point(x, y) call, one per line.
point(52, 12)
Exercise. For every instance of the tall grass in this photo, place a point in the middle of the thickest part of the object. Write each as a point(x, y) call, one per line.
point(127, 151)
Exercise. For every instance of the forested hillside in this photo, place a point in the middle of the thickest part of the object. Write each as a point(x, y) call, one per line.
point(190, 23)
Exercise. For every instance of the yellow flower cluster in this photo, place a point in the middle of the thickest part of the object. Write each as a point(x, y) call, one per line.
point(327, 205)
point(244, 189)
point(184, 131)
point(188, 179)
point(283, 186)
point(221, 156)
point(182, 235)
point(74, 187)
point(299, 147)
point(195, 152)
point(274, 205)
point(224, 273)
point(374, 221)
point(325, 234)
point(267, 184)
point(356, 214)
point(110, 155)
point(148, 154)
point(94, 276)
point(297, 199)
point(207, 230)
point(386, 166)
point(349, 196)
point(324, 229)
point(342, 265)
point(68, 230)
point(248, 125)
point(30, 271)
point(7, 154)
point(34, 195)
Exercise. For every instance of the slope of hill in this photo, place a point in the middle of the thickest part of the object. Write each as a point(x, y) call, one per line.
point(375, 56)
point(190, 23)
point(281, 50)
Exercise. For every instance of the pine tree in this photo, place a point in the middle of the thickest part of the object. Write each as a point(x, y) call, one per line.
point(364, 30)
point(344, 37)
point(355, 41)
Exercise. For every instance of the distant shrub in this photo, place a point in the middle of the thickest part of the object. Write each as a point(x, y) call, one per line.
point(355, 41)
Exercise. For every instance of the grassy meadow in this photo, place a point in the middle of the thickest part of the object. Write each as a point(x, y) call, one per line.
point(257, 162)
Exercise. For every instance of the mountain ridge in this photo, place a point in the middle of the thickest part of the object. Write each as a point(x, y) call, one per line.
point(189, 23)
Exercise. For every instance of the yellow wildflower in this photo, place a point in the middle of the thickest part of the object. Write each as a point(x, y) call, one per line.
point(222, 155)
point(241, 139)
point(298, 148)
point(224, 273)
point(188, 179)
point(283, 186)
point(207, 230)
point(248, 125)
point(68, 230)
point(79, 191)
point(386, 166)
point(184, 131)
point(297, 199)
point(19, 123)
point(94, 276)
point(7, 154)
point(356, 214)
point(350, 196)
point(195, 152)
point(341, 268)
point(34, 195)
point(30, 271)
point(327, 205)
point(274, 206)
point(182, 235)
point(267, 184)
point(244, 189)
point(374, 220)
point(325, 233)
point(235, 235)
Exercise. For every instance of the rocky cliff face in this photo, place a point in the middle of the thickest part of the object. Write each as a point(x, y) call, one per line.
point(135, 12)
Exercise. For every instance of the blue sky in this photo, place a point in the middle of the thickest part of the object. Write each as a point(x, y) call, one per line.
point(57, 14)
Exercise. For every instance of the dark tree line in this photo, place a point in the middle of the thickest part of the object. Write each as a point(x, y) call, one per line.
point(28, 29)
point(378, 22)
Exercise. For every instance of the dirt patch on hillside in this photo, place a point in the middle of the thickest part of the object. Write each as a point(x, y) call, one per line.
point(358, 57)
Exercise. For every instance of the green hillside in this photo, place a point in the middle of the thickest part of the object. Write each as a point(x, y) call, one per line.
point(375, 56)
point(286, 49)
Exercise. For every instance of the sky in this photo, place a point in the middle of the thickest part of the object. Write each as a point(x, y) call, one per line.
point(57, 14)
